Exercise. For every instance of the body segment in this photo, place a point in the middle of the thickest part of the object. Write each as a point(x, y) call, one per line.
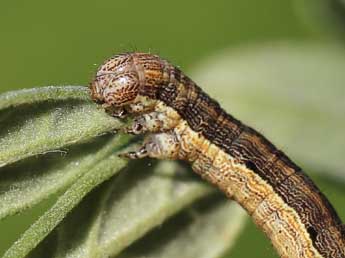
point(186, 124)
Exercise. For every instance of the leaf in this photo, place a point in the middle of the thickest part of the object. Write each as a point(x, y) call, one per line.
point(206, 230)
point(51, 218)
point(123, 210)
point(48, 93)
point(293, 93)
point(26, 183)
point(42, 120)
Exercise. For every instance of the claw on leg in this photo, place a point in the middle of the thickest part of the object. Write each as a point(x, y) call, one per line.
point(120, 113)
point(153, 122)
point(140, 108)
point(137, 127)
point(139, 154)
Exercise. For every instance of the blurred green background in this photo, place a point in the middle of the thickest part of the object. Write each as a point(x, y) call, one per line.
point(58, 42)
point(63, 42)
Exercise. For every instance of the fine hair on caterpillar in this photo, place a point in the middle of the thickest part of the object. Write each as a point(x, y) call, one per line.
point(183, 123)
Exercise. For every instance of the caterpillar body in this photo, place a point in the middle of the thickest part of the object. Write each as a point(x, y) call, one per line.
point(184, 123)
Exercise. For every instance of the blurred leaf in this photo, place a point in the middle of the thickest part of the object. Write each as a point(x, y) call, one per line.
point(123, 210)
point(327, 16)
point(204, 231)
point(293, 93)
point(43, 120)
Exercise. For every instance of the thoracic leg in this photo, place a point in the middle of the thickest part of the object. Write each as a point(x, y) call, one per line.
point(152, 122)
point(160, 146)
point(134, 108)
point(162, 120)
point(119, 112)
point(140, 108)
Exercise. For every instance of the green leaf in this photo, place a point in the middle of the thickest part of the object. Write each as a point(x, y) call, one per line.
point(102, 171)
point(46, 121)
point(206, 230)
point(48, 93)
point(292, 93)
point(26, 183)
point(43, 120)
point(123, 210)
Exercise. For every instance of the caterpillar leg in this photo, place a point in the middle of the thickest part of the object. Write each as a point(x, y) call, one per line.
point(152, 122)
point(160, 146)
point(134, 108)
point(140, 107)
point(119, 112)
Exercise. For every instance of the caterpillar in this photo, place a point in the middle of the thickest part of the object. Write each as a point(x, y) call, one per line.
point(183, 123)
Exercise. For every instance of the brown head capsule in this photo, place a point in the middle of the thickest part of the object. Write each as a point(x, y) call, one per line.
point(116, 82)
point(121, 78)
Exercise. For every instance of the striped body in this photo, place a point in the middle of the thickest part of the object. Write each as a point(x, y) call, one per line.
point(281, 199)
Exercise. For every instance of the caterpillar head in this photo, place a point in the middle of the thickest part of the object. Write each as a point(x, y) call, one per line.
point(116, 82)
